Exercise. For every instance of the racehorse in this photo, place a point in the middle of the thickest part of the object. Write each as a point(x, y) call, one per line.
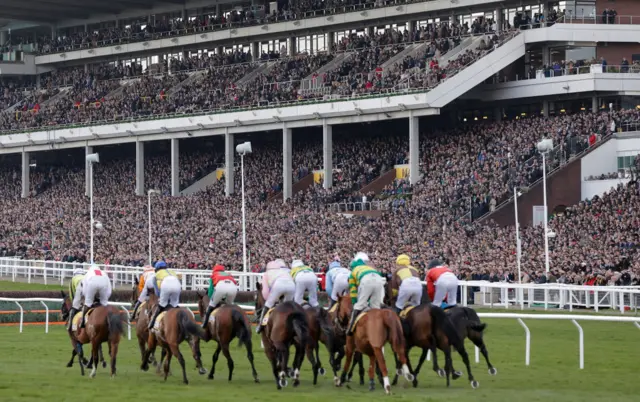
point(468, 325)
point(103, 324)
point(340, 341)
point(173, 327)
point(320, 331)
point(372, 330)
point(286, 325)
point(227, 322)
point(142, 323)
point(427, 326)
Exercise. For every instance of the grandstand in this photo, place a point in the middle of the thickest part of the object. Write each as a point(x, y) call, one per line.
point(387, 126)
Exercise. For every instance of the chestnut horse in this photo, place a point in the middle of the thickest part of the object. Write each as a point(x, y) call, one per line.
point(142, 324)
point(230, 322)
point(340, 341)
point(372, 331)
point(177, 325)
point(104, 324)
point(287, 325)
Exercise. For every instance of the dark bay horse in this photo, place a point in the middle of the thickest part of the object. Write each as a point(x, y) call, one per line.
point(287, 325)
point(104, 324)
point(468, 325)
point(320, 331)
point(372, 331)
point(177, 325)
point(229, 322)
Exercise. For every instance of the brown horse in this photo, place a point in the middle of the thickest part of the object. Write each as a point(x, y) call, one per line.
point(230, 322)
point(340, 341)
point(104, 324)
point(428, 327)
point(177, 325)
point(320, 331)
point(372, 331)
point(142, 324)
point(287, 325)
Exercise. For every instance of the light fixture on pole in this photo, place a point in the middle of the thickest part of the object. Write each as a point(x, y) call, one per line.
point(544, 147)
point(91, 159)
point(243, 149)
point(149, 211)
point(517, 192)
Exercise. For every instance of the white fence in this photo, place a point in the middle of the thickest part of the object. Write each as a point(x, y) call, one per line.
point(479, 293)
point(519, 317)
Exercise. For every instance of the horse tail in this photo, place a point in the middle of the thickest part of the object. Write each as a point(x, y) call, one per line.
point(241, 328)
point(186, 326)
point(441, 321)
point(297, 323)
point(473, 321)
point(115, 324)
point(325, 326)
point(394, 327)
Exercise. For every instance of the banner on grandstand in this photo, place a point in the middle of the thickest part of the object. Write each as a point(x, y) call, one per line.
point(318, 176)
point(219, 173)
point(538, 215)
point(402, 171)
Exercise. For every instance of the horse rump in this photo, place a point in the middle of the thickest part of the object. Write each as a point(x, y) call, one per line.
point(241, 328)
point(441, 321)
point(188, 326)
point(115, 323)
point(473, 321)
point(297, 324)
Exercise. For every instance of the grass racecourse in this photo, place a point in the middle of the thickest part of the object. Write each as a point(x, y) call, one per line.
point(32, 368)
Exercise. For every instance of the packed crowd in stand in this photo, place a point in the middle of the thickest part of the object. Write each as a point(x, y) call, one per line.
point(481, 161)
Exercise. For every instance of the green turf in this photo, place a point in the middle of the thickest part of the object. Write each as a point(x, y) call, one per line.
point(8, 285)
point(32, 368)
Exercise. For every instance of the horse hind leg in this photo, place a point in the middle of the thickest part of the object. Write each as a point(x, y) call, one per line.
point(479, 342)
point(230, 364)
point(113, 351)
point(314, 363)
point(176, 352)
point(214, 360)
point(95, 347)
point(297, 363)
point(383, 369)
point(167, 362)
point(254, 373)
point(372, 371)
point(102, 360)
point(465, 358)
point(197, 355)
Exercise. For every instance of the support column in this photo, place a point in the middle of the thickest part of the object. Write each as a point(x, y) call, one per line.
point(3, 37)
point(310, 51)
point(255, 51)
point(53, 32)
point(498, 20)
point(25, 174)
point(497, 114)
point(228, 163)
point(291, 46)
point(220, 50)
point(139, 168)
point(545, 108)
point(413, 27)
point(331, 38)
point(87, 175)
point(327, 154)
point(370, 32)
point(286, 163)
point(175, 167)
point(594, 104)
point(545, 56)
point(414, 149)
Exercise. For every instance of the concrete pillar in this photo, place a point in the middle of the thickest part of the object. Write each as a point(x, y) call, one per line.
point(228, 163)
point(594, 104)
point(291, 46)
point(86, 27)
point(545, 108)
point(86, 67)
point(139, 168)
point(175, 167)
point(310, 50)
point(38, 81)
point(287, 174)
point(87, 175)
point(327, 154)
point(3, 37)
point(497, 114)
point(220, 50)
point(414, 149)
point(498, 20)
point(53, 32)
point(25, 174)
point(370, 32)
point(413, 27)
point(546, 57)
point(255, 51)
point(218, 10)
point(331, 39)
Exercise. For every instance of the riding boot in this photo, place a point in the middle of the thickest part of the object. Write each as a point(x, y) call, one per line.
point(262, 313)
point(72, 313)
point(397, 310)
point(152, 322)
point(331, 303)
point(352, 321)
point(205, 320)
point(85, 310)
point(135, 310)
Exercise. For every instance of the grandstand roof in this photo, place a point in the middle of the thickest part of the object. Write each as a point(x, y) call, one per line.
point(49, 11)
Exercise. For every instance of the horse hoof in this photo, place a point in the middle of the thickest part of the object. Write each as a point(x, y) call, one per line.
point(104, 364)
point(475, 384)
point(456, 375)
point(398, 371)
point(415, 383)
point(186, 382)
point(441, 373)
point(387, 390)
point(283, 383)
point(144, 367)
point(70, 364)
point(395, 381)
point(372, 388)
point(210, 376)
point(493, 371)
point(336, 381)
point(296, 383)
point(409, 377)
point(256, 380)
point(322, 371)
point(92, 375)
point(202, 371)
point(290, 372)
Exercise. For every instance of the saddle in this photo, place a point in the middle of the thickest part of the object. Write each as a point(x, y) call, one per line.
point(156, 325)
point(403, 314)
point(142, 308)
point(333, 308)
point(75, 325)
point(265, 320)
point(359, 317)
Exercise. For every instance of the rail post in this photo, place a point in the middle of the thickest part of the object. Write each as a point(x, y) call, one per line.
point(527, 353)
point(21, 315)
point(581, 335)
point(46, 317)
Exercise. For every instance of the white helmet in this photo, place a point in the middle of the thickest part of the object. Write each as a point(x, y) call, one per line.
point(281, 262)
point(297, 263)
point(78, 271)
point(361, 256)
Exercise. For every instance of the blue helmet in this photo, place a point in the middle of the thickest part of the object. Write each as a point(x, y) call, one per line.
point(334, 264)
point(160, 265)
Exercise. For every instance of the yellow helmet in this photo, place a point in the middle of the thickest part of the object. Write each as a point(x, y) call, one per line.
point(403, 259)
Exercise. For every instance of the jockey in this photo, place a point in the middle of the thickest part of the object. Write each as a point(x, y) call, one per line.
point(337, 281)
point(441, 282)
point(405, 284)
point(95, 283)
point(366, 286)
point(276, 282)
point(222, 286)
point(304, 279)
point(167, 286)
point(75, 293)
point(144, 285)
